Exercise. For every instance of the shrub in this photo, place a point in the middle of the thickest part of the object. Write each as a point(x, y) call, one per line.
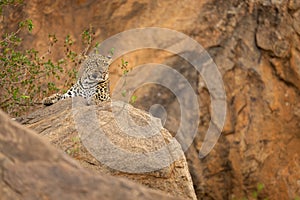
point(23, 71)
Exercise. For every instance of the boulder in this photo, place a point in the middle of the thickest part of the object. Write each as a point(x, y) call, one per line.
point(98, 139)
point(31, 168)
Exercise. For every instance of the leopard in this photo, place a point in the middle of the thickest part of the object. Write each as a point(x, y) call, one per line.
point(92, 83)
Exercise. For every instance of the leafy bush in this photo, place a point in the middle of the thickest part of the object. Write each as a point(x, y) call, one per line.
point(27, 75)
point(24, 72)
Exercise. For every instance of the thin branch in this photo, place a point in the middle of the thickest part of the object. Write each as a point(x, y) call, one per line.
point(7, 39)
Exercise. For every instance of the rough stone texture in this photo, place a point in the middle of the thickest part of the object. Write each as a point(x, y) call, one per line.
point(67, 126)
point(30, 168)
point(255, 43)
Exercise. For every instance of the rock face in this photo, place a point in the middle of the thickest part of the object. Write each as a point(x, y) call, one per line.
point(256, 47)
point(92, 133)
point(31, 168)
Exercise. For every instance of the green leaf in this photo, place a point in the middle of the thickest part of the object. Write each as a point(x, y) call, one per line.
point(75, 139)
point(25, 97)
point(255, 194)
point(15, 94)
point(68, 40)
point(125, 72)
point(133, 99)
point(124, 63)
point(260, 187)
point(112, 51)
point(124, 93)
point(29, 25)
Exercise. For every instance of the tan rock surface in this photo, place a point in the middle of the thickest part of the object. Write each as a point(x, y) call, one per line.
point(30, 168)
point(157, 161)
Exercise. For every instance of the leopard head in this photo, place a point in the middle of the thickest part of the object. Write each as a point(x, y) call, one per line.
point(95, 70)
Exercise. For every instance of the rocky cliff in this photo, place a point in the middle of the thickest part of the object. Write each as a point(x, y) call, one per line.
point(254, 43)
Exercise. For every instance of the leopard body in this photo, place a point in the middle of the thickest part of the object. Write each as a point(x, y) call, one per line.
point(92, 84)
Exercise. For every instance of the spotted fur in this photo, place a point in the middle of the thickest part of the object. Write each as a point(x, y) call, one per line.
point(92, 84)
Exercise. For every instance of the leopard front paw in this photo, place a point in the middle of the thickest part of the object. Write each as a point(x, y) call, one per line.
point(48, 101)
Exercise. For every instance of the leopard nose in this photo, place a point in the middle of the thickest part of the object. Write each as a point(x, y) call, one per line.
point(94, 76)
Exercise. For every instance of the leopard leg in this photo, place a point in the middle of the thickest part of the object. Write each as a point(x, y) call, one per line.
point(52, 99)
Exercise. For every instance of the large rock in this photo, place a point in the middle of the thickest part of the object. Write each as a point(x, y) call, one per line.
point(30, 168)
point(99, 142)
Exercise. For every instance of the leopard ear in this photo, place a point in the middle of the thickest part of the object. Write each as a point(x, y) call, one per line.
point(110, 59)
